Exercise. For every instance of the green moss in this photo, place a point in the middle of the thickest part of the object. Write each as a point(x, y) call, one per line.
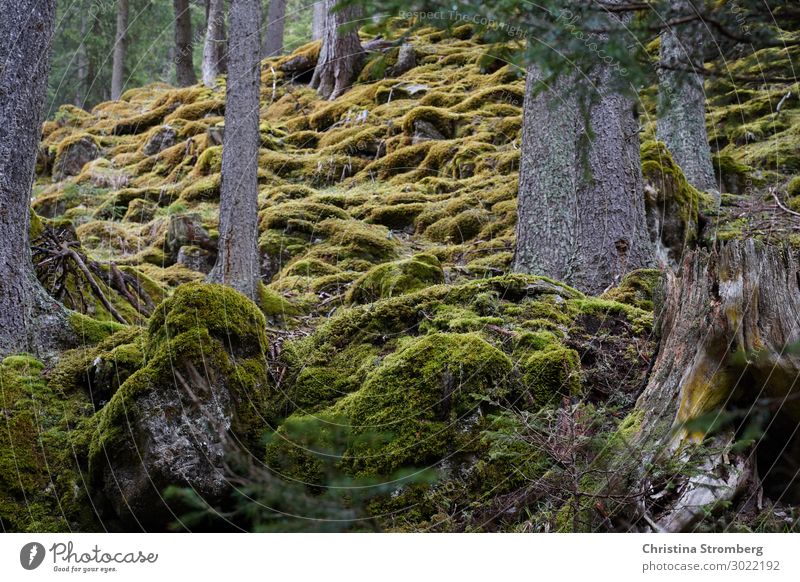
point(296, 450)
point(209, 162)
point(354, 238)
point(457, 229)
point(636, 289)
point(299, 216)
point(99, 370)
point(91, 331)
point(551, 373)
point(39, 480)
point(793, 187)
point(206, 327)
point(396, 216)
point(273, 304)
point(397, 278)
point(204, 189)
point(423, 398)
point(671, 203)
point(443, 120)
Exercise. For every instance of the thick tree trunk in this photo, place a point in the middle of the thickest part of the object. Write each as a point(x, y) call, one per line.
point(29, 319)
point(120, 48)
point(214, 47)
point(276, 23)
point(580, 206)
point(237, 258)
point(681, 123)
point(728, 324)
point(184, 49)
point(341, 54)
point(318, 18)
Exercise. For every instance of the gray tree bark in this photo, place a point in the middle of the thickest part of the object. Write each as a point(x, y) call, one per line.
point(341, 54)
point(727, 324)
point(214, 47)
point(120, 48)
point(318, 18)
point(273, 35)
point(681, 122)
point(237, 262)
point(82, 65)
point(184, 49)
point(580, 205)
point(30, 321)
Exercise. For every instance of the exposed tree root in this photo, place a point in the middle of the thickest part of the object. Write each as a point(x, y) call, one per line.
point(66, 273)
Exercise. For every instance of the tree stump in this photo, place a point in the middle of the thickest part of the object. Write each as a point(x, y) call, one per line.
point(729, 327)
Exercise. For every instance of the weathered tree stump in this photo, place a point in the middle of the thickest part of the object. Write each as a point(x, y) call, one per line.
point(729, 328)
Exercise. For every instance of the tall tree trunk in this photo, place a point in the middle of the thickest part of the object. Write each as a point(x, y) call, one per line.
point(580, 203)
point(728, 326)
point(81, 89)
point(120, 48)
point(29, 319)
point(341, 54)
point(681, 123)
point(237, 258)
point(214, 47)
point(318, 18)
point(184, 49)
point(276, 23)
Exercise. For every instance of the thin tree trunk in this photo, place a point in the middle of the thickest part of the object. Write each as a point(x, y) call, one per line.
point(580, 203)
point(681, 123)
point(238, 258)
point(120, 47)
point(214, 47)
point(184, 49)
point(276, 23)
point(82, 65)
point(29, 319)
point(727, 327)
point(318, 17)
point(341, 54)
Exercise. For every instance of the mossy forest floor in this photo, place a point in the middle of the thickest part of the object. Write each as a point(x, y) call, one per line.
point(387, 230)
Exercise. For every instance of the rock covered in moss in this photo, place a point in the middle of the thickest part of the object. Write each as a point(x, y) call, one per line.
point(550, 374)
point(793, 187)
point(186, 230)
point(396, 278)
point(198, 399)
point(72, 154)
point(423, 398)
point(40, 487)
point(160, 139)
point(140, 210)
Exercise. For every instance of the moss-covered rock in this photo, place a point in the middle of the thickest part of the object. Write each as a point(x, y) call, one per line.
point(396, 278)
point(425, 398)
point(173, 421)
point(550, 374)
point(40, 483)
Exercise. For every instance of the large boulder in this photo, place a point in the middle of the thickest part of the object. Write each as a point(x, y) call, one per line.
point(197, 403)
point(73, 154)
